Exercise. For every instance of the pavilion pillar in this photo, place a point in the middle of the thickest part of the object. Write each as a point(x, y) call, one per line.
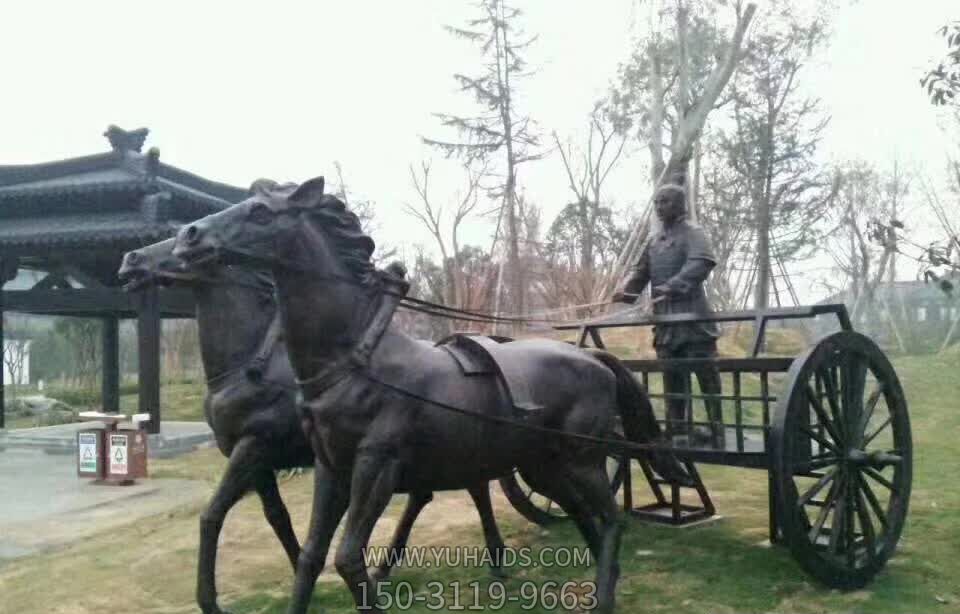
point(3, 405)
point(148, 349)
point(110, 384)
point(8, 271)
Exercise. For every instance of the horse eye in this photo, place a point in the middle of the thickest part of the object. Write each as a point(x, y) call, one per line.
point(261, 214)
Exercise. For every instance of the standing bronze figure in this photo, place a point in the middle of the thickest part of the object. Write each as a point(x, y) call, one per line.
point(251, 405)
point(378, 403)
point(675, 264)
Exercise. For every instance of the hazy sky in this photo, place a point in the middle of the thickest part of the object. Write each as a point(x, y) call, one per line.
point(235, 91)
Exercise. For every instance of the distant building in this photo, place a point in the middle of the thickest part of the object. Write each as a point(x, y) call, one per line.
point(923, 316)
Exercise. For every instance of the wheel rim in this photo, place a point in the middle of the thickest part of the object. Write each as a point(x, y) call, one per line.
point(541, 509)
point(844, 460)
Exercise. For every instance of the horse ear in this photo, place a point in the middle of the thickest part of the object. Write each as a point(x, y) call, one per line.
point(262, 187)
point(308, 193)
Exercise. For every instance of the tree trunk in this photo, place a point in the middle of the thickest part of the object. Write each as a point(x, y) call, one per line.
point(688, 132)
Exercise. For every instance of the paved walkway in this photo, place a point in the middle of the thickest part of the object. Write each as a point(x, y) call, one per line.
point(174, 438)
point(43, 504)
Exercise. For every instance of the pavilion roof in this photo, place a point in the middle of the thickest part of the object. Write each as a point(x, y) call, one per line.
point(121, 197)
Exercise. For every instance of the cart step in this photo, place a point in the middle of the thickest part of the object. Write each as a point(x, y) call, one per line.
point(668, 507)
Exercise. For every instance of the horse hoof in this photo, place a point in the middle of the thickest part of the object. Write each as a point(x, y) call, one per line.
point(378, 574)
point(498, 573)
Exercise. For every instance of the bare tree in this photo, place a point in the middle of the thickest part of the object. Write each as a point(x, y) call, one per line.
point(856, 211)
point(431, 214)
point(672, 84)
point(499, 128)
point(775, 140)
point(365, 209)
point(727, 218)
point(180, 346)
point(587, 169)
point(83, 337)
point(16, 349)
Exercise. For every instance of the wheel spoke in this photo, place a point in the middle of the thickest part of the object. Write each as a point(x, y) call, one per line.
point(873, 473)
point(821, 413)
point(818, 461)
point(853, 374)
point(850, 537)
point(866, 525)
point(836, 527)
point(833, 401)
point(872, 436)
point(878, 510)
point(816, 488)
point(871, 405)
point(819, 439)
point(828, 504)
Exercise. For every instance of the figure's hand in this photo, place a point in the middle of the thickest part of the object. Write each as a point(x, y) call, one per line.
point(620, 297)
point(660, 290)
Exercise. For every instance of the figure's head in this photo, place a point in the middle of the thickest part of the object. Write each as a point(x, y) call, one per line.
point(670, 202)
point(275, 225)
point(151, 264)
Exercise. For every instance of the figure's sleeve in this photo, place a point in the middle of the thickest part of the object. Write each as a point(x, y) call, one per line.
point(640, 276)
point(700, 261)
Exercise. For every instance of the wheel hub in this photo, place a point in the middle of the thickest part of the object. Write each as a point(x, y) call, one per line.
point(876, 459)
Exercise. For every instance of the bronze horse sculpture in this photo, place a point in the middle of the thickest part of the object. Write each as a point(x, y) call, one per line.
point(377, 401)
point(251, 405)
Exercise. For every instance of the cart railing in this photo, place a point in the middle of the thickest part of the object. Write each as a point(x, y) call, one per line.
point(760, 317)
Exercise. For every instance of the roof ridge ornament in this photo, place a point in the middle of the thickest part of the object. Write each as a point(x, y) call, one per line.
point(123, 141)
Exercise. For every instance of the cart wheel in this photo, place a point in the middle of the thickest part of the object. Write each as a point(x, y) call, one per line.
point(542, 510)
point(842, 460)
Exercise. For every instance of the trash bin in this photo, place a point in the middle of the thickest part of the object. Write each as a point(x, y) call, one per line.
point(90, 454)
point(126, 455)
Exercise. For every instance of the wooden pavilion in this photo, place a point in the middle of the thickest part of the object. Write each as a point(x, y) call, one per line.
point(71, 221)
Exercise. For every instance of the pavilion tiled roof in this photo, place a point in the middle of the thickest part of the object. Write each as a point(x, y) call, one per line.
point(121, 196)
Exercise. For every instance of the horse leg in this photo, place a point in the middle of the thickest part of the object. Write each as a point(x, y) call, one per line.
point(330, 499)
point(416, 501)
point(375, 477)
point(591, 480)
point(557, 486)
point(277, 515)
point(491, 532)
point(244, 464)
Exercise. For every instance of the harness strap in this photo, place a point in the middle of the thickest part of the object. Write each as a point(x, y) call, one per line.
point(258, 364)
point(376, 325)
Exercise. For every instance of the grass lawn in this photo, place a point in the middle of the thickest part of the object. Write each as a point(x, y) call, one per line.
point(179, 400)
point(720, 567)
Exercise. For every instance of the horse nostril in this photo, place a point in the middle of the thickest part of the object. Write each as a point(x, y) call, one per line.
point(193, 234)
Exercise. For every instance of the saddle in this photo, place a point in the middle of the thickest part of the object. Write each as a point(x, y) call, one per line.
point(479, 355)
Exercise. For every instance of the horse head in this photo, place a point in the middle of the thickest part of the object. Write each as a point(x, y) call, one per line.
point(283, 226)
point(152, 264)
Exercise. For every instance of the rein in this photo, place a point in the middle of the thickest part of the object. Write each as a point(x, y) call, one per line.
point(420, 305)
point(381, 314)
point(619, 445)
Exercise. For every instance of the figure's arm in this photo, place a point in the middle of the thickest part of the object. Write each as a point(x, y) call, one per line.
point(638, 280)
point(700, 261)
point(693, 273)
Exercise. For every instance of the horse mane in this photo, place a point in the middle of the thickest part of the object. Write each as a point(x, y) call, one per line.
point(351, 243)
point(341, 225)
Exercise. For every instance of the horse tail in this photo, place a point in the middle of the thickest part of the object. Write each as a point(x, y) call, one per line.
point(639, 422)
